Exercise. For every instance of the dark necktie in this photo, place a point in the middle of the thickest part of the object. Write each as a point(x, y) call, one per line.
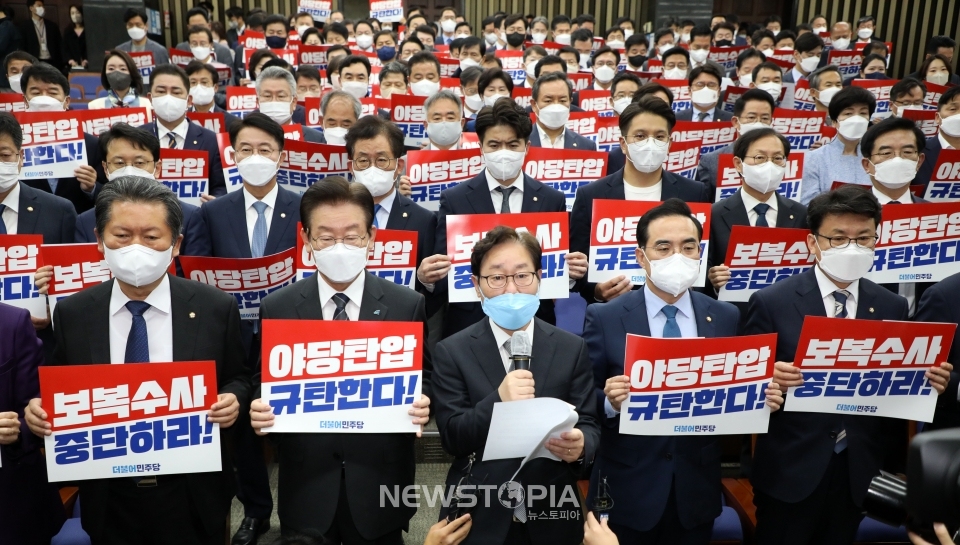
point(505, 204)
point(3, 226)
point(172, 144)
point(341, 300)
point(138, 347)
point(671, 329)
point(761, 210)
point(894, 202)
point(840, 311)
point(702, 116)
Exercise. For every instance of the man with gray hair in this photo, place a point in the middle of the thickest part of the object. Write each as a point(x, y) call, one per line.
point(444, 121)
point(277, 95)
point(340, 110)
point(552, 94)
point(144, 314)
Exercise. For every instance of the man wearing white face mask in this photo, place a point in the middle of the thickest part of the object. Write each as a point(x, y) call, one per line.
point(347, 469)
point(552, 93)
point(605, 64)
point(948, 137)
point(531, 57)
point(145, 315)
point(760, 158)
point(170, 96)
point(277, 95)
point(340, 110)
point(444, 121)
point(448, 24)
point(840, 160)
point(806, 55)
point(41, 37)
point(752, 111)
point(424, 74)
point(701, 37)
point(825, 83)
point(817, 498)
point(46, 89)
point(645, 128)
point(203, 88)
point(705, 95)
point(502, 188)
point(200, 39)
point(136, 21)
point(354, 73)
point(681, 483)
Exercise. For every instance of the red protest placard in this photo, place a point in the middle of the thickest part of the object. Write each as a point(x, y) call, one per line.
point(868, 367)
point(801, 129)
point(713, 134)
point(697, 386)
point(145, 63)
point(12, 102)
point(241, 100)
point(96, 122)
point(248, 280)
point(917, 244)
point(394, 257)
point(407, 113)
point(308, 163)
point(386, 11)
point(847, 61)
point(550, 228)
point(580, 81)
point(230, 173)
point(212, 121)
point(925, 119)
point(596, 100)
point(18, 263)
point(681, 93)
point(146, 419)
point(251, 39)
point(944, 183)
point(341, 376)
point(76, 267)
point(613, 239)
point(314, 55)
point(932, 99)
point(760, 256)
point(726, 56)
point(608, 133)
point(684, 158)
point(881, 91)
point(180, 57)
point(730, 97)
point(802, 99)
point(432, 171)
point(186, 172)
point(565, 170)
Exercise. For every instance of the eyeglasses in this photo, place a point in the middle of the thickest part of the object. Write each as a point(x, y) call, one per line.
point(689, 249)
point(326, 241)
point(117, 165)
point(765, 119)
point(245, 152)
point(499, 281)
point(758, 159)
point(866, 241)
point(363, 163)
point(709, 85)
point(910, 155)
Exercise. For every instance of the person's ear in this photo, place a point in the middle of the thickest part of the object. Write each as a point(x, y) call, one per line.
point(738, 164)
point(157, 169)
point(865, 163)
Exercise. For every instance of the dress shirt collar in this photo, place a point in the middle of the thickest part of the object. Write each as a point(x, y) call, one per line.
point(547, 142)
point(501, 336)
point(750, 203)
point(12, 200)
point(180, 130)
point(492, 182)
point(943, 141)
point(655, 304)
point(159, 298)
point(903, 198)
point(388, 201)
point(827, 287)
point(354, 291)
point(270, 198)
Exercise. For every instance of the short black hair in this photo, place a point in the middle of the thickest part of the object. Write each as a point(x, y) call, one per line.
point(557, 20)
point(784, 34)
point(369, 127)
point(766, 65)
point(709, 68)
point(515, 18)
point(650, 88)
point(669, 207)
point(637, 38)
point(491, 74)
point(807, 43)
point(234, 13)
point(18, 56)
point(197, 29)
point(753, 95)
point(867, 59)
point(335, 28)
point(472, 41)
point(44, 73)
point(935, 43)
point(569, 49)
point(134, 12)
point(334, 190)
point(726, 26)
point(742, 145)
point(258, 56)
point(581, 35)
point(700, 30)
point(759, 35)
point(138, 138)
point(948, 95)
point(549, 60)
point(624, 75)
point(873, 46)
point(257, 120)
point(850, 96)
point(197, 11)
point(502, 234)
point(604, 50)
point(426, 29)
point(586, 18)
point(676, 51)
point(660, 34)
point(276, 19)
point(424, 57)
point(9, 126)
point(747, 54)
point(309, 72)
point(846, 199)
point(551, 77)
point(504, 112)
point(904, 87)
point(466, 76)
point(350, 60)
point(647, 105)
point(197, 66)
point(890, 124)
point(168, 69)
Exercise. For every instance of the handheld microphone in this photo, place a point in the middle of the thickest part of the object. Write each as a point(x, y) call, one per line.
point(520, 349)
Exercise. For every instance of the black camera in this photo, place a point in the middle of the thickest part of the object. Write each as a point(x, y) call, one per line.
point(931, 492)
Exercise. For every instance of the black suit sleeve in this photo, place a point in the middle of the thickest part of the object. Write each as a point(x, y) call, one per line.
point(582, 396)
point(420, 315)
point(463, 425)
point(232, 377)
point(68, 225)
point(218, 186)
point(935, 307)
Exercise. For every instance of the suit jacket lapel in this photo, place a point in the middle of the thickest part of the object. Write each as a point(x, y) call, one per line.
point(543, 350)
point(283, 214)
point(531, 198)
point(238, 220)
point(706, 319)
point(735, 213)
point(615, 185)
point(372, 307)
point(787, 216)
point(865, 303)
point(27, 219)
point(98, 326)
point(479, 196)
point(634, 317)
point(192, 140)
point(309, 306)
point(488, 353)
point(396, 219)
point(535, 137)
point(183, 315)
point(569, 141)
point(809, 303)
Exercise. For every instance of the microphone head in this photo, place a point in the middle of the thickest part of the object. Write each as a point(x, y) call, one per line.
point(520, 344)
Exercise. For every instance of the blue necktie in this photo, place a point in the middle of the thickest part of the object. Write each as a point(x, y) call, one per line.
point(840, 311)
point(671, 329)
point(761, 210)
point(172, 144)
point(376, 210)
point(3, 226)
point(138, 348)
point(259, 241)
point(341, 300)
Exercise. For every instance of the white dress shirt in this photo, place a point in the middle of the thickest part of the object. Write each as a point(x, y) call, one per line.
point(251, 213)
point(943, 141)
point(907, 290)
point(749, 203)
point(180, 133)
point(652, 193)
point(797, 76)
point(11, 210)
point(827, 287)
point(546, 142)
point(159, 321)
point(456, 146)
point(501, 338)
point(386, 205)
point(354, 291)
point(709, 117)
point(516, 197)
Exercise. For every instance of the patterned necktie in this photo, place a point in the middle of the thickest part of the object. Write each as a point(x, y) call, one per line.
point(259, 241)
point(840, 311)
point(505, 204)
point(761, 210)
point(376, 210)
point(341, 300)
point(702, 116)
point(671, 329)
point(172, 143)
point(138, 347)
point(3, 226)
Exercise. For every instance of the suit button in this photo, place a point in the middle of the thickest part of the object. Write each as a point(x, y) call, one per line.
point(668, 456)
point(833, 435)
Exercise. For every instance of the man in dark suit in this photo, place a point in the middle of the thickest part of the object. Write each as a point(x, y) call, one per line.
point(753, 110)
point(551, 103)
point(204, 80)
point(163, 318)
point(645, 128)
point(46, 89)
point(41, 37)
point(811, 471)
point(473, 371)
point(617, 159)
point(32, 509)
point(331, 483)
point(679, 476)
point(948, 113)
point(258, 220)
point(277, 95)
point(501, 188)
point(940, 303)
point(170, 96)
point(807, 47)
point(705, 95)
point(756, 203)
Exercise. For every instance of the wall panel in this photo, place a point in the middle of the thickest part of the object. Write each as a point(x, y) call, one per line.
point(605, 11)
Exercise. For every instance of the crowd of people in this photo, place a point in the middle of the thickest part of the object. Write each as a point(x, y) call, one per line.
point(810, 472)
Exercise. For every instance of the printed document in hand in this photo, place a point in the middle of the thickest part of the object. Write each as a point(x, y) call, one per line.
point(522, 428)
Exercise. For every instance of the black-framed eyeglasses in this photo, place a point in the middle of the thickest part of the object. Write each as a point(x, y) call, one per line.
point(499, 281)
point(866, 241)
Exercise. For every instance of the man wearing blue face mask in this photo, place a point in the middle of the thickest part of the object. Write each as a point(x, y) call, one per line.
point(474, 369)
